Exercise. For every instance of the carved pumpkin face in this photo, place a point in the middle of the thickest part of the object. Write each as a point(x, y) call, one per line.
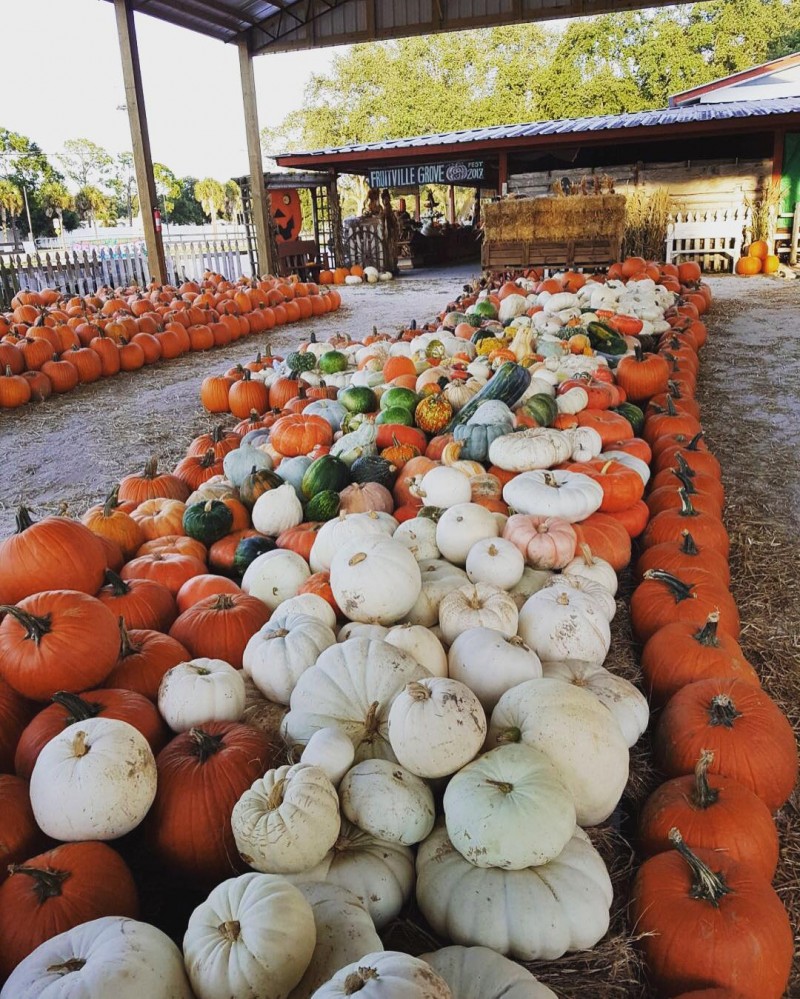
point(287, 214)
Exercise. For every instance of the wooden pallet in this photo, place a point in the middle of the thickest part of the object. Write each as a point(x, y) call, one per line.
point(550, 255)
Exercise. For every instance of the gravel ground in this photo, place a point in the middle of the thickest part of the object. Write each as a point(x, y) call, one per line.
point(71, 449)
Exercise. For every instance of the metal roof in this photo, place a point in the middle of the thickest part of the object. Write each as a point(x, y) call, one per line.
point(283, 25)
point(754, 72)
point(746, 114)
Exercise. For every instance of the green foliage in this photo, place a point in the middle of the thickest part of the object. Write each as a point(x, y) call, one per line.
point(233, 200)
point(211, 196)
point(10, 198)
point(85, 163)
point(186, 210)
point(122, 182)
point(92, 205)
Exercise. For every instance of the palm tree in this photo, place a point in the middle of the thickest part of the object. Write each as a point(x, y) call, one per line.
point(10, 205)
point(211, 195)
point(55, 199)
point(233, 200)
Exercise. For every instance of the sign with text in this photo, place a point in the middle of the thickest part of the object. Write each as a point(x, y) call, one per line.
point(463, 173)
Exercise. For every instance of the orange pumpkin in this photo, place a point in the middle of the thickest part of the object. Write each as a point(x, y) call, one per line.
point(220, 626)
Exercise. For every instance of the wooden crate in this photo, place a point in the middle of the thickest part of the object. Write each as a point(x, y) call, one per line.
point(500, 256)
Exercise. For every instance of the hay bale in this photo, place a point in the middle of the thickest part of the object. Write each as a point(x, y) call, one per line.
point(585, 217)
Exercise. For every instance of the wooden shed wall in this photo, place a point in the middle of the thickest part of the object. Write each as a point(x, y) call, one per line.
point(697, 185)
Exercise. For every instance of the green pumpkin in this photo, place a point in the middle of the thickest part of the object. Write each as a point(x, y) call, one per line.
point(453, 319)
point(259, 481)
point(332, 362)
point(542, 407)
point(373, 468)
point(633, 414)
point(399, 398)
point(323, 506)
point(485, 309)
point(297, 361)
point(326, 473)
point(249, 549)
point(353, 421)
point(484, 333)
point(396, 414)
point(207, 521)
point(476, 438)
point(358, 399)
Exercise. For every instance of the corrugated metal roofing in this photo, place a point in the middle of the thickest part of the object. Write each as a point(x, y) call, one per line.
point(573, 126)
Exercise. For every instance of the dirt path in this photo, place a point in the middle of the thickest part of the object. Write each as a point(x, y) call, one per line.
point(71, 449)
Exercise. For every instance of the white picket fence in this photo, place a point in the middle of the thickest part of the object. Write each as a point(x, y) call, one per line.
point(712, 239)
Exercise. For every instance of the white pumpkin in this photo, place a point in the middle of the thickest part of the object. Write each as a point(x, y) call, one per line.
point(509, 809)
point(438, 579)
point(585, 565)
point(460, 527)
point(490, 663)
point(586, 443)
point(388, 974)
point(287, 820)
point(538, 913)
point(344, 930)
point(444, 487)
point(539, 447)
point(560, 624)
point(347, 526)
point(276, 656)
point(354, 629)
point(422, 644)
point(481, 973)
point(577, 732)
point(200, 691)
point(238, 464)
point(531, 582)
point(351, 687)
point(477, 605)
point(388, 801)
point(375, 580)
point(252, 938)
point(436, 726)
point(308, 604)
point(627, 703)
point(275, 576)
point(95, 780)
point(631, 461)
point(330, 410)
point(277, 510)
point(418, 535)
point(495, 561)
point(572, 401)
point(567, 495)
point(111, 956)
point(595, 592)
point(331, 750)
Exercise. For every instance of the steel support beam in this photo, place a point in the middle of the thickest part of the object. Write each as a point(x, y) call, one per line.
point(259, 199)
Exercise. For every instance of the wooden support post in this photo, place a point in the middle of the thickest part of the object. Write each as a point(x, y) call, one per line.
point(502, 174)
point(451, 205)
point(417, 206)
point(476, 209)
point(777, 156)
point(259, 199)
point(140, 139)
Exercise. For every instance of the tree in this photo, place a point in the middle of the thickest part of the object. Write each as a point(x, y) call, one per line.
point(10, 204)
point(55, 199)
point(94, 206)
point(167, 189)
point(211, 195)
point(123, 183)
point(85, 163)
point(233, 201)
point(186, 210)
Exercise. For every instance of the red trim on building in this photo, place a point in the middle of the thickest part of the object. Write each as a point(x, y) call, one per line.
point(775, 66)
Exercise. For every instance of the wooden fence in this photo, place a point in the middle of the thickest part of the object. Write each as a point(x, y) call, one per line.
point(81, 273)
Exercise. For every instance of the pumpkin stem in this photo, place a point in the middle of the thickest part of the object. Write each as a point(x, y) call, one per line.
point(112, 501)
point(151, 468)
point(204, 745)
point(550, 480)
point(47, 882)
point(722, 711)
point(275, 797)
point(516, 641)
point(685, 481)
point(674, 389)
point(703, 795)
point(684, 467)
point(686, 510)
point(688, 546)
point(24, 519)
point(357, 980)
point(78, 708)
point(79, 747)
point(502, 785)
point(371, 721)
point(36, 627)
point(230, 930)
point(694, 442)
point(512, 734)
point(126, 646)
point(208, 458)
point(216, 434)
point(418, 691)
point(707, 886)
point(707, 635)
point(677, 587)
point(67, 967)
point(671, 410)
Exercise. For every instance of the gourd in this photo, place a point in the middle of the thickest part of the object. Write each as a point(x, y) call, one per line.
point(356, 444)
point(490, 663)
point(438, 579)
point(253, 937)
point(276, 656)
point(275, 576)
point(347, 527)
point(558, 625)
point(585, 565)
point(538, 913)
point(375, 579)
point(539, 447)
point(239, 463)
point(495, 561)
point(460, 527)
point(388, 801)
point(569, 496)
point(287, 820)
point(277, 510)
point(444, 487)
point(475, 439)
point(545, 542)
point(596, 593)
point(110, 956)
point(353, 629)
point(477, 605)
point(199, 691)
point(507, 384)
point(307, 604)
point(386, 975)
point(509, 809)
point(331, 750)
point(436, 726)
point(627, 703)
point(344, 933)
point(481, 973)
point(420, 643)
point(351, 687)
point(418, 535)
point(95, 780)
point(576, 731)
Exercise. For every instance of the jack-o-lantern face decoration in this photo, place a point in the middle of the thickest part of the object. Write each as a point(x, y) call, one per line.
point(287, 214)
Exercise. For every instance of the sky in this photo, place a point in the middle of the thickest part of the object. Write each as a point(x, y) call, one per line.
point(63, 56)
